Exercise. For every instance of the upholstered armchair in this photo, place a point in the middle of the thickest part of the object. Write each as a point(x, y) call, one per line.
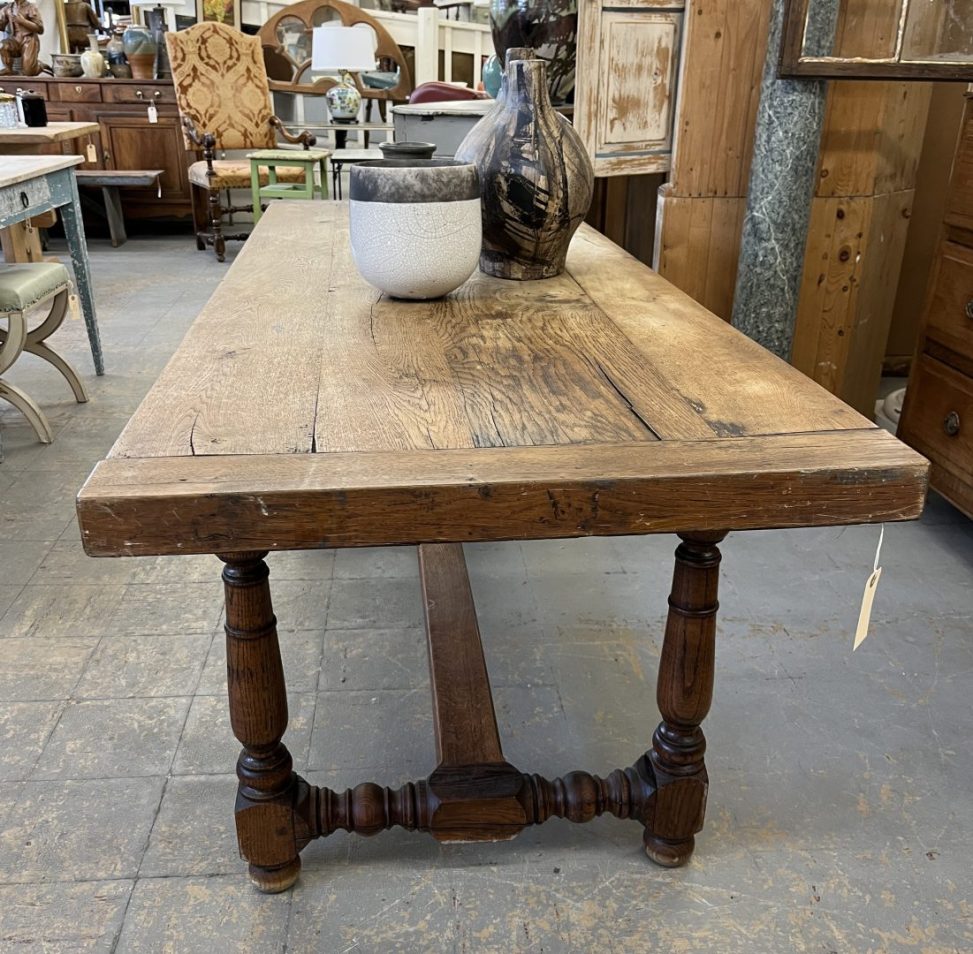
point(224, 103)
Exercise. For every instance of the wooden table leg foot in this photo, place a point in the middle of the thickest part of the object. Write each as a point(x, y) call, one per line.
point(684, 694)
point(669, 854)
point(275, 880)
point(265, 819)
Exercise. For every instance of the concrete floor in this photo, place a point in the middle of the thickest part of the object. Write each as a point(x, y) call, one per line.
point(840, 815)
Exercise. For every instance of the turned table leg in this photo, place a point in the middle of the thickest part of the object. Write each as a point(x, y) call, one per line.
point(258, 714)
point(684, 693)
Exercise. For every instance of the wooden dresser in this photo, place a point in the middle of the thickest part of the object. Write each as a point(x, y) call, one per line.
point(126, 140)
point(937, 419)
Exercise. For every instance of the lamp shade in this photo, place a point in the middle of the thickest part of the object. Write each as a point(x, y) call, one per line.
point(342, 48)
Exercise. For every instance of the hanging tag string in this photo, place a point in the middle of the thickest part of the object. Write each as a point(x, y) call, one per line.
point(868, 597)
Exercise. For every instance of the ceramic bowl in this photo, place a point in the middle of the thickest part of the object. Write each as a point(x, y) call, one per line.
point(415, 225)
point(66, 64)
point(407, 150)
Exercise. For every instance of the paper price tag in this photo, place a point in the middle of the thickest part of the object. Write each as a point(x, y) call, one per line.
point(73, 307)
point(868, 597)
point(153, 113)
point(89, 152)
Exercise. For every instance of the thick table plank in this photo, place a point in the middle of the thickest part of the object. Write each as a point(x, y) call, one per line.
point(305, 409)
point(211, 504)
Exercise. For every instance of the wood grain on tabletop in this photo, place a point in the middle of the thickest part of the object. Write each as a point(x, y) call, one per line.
point(304, 409)
point(296, 352)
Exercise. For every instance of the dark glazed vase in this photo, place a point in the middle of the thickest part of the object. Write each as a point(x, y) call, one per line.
point(535, 177)
point(548, 26)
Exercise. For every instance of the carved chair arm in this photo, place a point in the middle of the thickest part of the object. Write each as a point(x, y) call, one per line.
point(205, 141)
point(304, 137)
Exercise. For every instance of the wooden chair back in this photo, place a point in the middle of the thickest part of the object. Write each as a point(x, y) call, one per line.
point(286, 39)
point(221, 85)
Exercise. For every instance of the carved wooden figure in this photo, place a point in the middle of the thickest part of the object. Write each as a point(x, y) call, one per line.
point(23, 23)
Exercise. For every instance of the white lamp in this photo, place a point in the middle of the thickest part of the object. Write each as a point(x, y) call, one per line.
point(343, 49)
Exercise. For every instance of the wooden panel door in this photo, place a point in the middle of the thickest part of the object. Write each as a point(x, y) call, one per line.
point(130, 141)
point(628, 55)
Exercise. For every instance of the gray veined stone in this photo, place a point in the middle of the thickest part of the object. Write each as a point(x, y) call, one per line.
point(785, 156)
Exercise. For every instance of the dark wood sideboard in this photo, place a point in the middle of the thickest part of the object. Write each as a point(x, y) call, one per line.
point(126, 139)
point(937, 419)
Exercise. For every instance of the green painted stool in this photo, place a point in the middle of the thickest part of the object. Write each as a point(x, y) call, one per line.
point(305, 159)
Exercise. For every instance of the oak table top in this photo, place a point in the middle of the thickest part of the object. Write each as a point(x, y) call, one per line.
point(305, 409)
point(44, 135)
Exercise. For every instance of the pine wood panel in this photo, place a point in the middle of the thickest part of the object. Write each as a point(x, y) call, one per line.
point(872, 137)
point(701, 209)
point(959, 204)
point(698, 247)
point(867, 28)
point(932, 176)
point(846, 299)
point(723, 57)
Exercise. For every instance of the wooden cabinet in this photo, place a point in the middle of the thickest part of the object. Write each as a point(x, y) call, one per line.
point(938, 415)
point(628, 55)
point(131, 142)
point(126, 139)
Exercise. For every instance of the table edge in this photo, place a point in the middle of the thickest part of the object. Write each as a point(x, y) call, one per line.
point(164, 505)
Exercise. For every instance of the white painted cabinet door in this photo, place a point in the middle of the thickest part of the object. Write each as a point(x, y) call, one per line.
point(628, 52)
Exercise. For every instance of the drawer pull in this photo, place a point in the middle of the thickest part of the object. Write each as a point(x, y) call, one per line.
point(24, 200)
point(77, 89)
point(969, 309)
point(951, 424)
point(139, 94)
point(157, 93)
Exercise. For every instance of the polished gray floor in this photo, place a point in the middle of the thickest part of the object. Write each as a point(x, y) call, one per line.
point(840, 815)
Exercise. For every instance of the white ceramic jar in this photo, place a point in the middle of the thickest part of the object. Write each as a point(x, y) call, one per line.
point(415, 225)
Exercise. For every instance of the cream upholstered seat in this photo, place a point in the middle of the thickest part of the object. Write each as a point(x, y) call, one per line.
point(224, 101)
point(22, 287)
point(231, 174)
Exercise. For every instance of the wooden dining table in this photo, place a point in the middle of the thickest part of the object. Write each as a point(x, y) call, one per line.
point(304, 409)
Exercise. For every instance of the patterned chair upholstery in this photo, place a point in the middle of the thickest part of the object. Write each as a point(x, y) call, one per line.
point(224, 102)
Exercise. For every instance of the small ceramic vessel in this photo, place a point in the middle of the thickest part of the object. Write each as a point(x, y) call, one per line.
point(415, 225)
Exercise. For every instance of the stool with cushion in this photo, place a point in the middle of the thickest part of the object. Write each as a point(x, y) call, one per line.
point(22, 287)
